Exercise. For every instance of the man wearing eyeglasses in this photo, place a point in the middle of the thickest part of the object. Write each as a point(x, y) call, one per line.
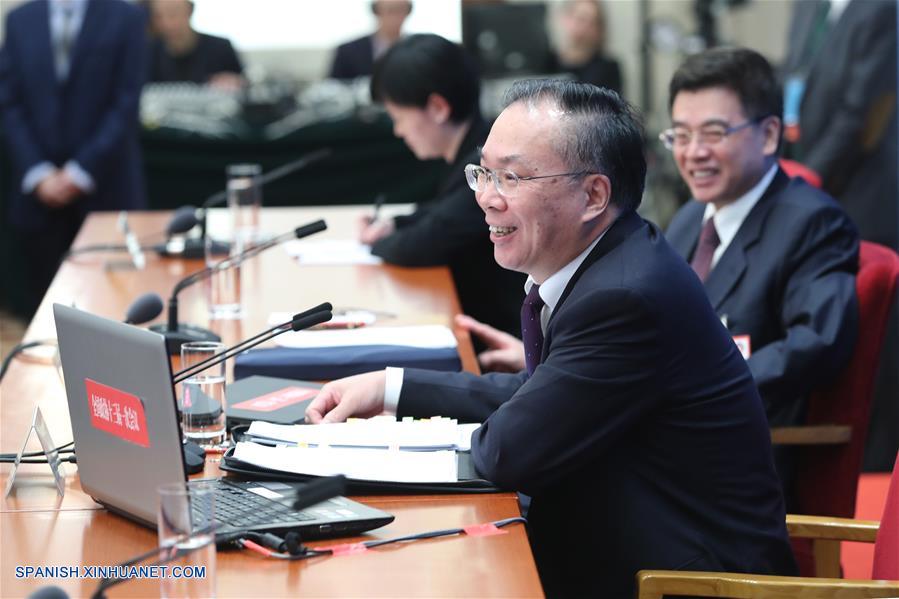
point(635, 427)
point(777, 257)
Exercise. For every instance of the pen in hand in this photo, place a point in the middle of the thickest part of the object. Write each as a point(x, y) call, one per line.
point(379, 201)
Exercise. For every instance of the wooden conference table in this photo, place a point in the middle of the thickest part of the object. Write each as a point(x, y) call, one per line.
point(38, 528)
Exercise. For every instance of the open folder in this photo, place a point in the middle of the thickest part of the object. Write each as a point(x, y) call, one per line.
point(376, 455)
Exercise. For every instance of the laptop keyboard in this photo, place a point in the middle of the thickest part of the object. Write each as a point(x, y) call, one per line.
point(237, 508)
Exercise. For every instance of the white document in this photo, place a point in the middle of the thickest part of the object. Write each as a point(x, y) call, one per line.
point(361, 464)
point(330, 251)
point(382, 432)
point(431, 336)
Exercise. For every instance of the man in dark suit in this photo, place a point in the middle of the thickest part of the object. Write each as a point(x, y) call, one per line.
point(430, 89)
point(357, 58)
point(840, 76)
point(180, 53)
point(71, 73)
point(778, 257)
point(636, 427)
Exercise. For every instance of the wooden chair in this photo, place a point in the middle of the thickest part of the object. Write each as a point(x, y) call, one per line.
point(653, 584)
point(833, 439)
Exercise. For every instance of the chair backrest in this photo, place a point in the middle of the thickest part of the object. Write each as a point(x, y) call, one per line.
point(795, 169)
point(835, 468)
point(886, 547)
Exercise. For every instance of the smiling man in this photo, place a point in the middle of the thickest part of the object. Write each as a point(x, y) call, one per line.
point(777, 257)
point(639, 450)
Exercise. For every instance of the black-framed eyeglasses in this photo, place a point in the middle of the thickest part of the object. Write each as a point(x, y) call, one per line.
point(504, 181)
point(708, 135)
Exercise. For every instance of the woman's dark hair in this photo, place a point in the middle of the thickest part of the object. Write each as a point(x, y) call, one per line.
point(425, 64)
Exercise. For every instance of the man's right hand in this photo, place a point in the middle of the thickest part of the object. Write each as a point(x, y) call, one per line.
point(51, 191)
point(504, 353)
point(361, 396)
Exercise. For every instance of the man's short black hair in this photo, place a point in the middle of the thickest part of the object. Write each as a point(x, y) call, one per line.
point(425, 64)
point(745, 72)
point(601, 132)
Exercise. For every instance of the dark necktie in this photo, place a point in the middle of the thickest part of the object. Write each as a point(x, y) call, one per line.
point(531, 331)
point(705, 249)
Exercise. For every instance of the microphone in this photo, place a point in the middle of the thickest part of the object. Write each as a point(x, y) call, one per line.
point(176, 334)
point(303, 320)
point(194, 247)
point(144, 309)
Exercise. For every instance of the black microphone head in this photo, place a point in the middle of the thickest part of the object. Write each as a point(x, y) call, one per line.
point(144, 309)
point(184, 219)
point(309, 229)
point(310, 320)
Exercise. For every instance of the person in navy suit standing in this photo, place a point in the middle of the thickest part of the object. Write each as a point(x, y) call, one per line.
point(635, 427)
point(357, 58)
point(71, 73)
point(777, 257)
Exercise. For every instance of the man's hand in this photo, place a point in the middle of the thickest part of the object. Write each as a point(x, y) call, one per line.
point(371, 231)
point(56, 190)
point(505, 353)
point(361, 396)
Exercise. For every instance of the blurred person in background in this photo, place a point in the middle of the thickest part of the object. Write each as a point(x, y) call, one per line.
point(357, 58)
point(840, 112)
point(180, 53)
point(431, 91)
point(71, 73)
point(581, 47)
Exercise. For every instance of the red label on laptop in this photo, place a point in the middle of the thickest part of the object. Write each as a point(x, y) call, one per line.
point(117, 413)
point(276, 400)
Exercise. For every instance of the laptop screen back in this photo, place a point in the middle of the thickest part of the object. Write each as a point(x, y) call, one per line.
point(122, 406)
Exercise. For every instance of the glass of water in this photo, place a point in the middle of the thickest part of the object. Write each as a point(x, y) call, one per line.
point(202, 401)
point(186, 524)
point(245, 199)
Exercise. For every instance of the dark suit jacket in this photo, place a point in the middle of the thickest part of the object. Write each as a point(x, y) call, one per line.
point(450, 230)
point(848, 113)
point(640, 436)
point(599, 70)
point(788, 281)
point(91, 117)
point(354, 59)
point(210, 56)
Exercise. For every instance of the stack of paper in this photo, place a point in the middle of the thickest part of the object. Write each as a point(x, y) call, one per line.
point(361, 464)
point(377, 449)
point(330, 251)
point(424, 336)
point(375, 433)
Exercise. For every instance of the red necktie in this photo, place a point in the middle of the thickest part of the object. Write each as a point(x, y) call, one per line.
point(705, 249)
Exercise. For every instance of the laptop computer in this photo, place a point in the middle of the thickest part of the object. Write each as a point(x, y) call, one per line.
point(124, 417)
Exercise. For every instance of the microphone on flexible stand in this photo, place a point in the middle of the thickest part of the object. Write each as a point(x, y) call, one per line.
point(176, 334)
point(195, 247)
point(144, 309)
point(204, 408)
point(299, 322)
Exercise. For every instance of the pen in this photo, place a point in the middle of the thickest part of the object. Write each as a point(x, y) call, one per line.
point(379, 201)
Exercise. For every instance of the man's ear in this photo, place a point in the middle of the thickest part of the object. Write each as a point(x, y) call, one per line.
point(598, 189)
point(438, 108)
point(771, 127)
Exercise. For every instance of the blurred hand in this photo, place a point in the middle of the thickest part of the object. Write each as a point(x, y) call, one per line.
point(226, 81)
point(505, 352)
point(372, 231)
point(56, 190)
point(361, 396)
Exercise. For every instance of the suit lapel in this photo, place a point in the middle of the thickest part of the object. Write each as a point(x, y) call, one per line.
point(684, 241)
point(730, 267)
point(623, 226)
point(43, 42)
point(91, 29)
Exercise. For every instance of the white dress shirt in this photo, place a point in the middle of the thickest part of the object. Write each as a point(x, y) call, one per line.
point(729, 218)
